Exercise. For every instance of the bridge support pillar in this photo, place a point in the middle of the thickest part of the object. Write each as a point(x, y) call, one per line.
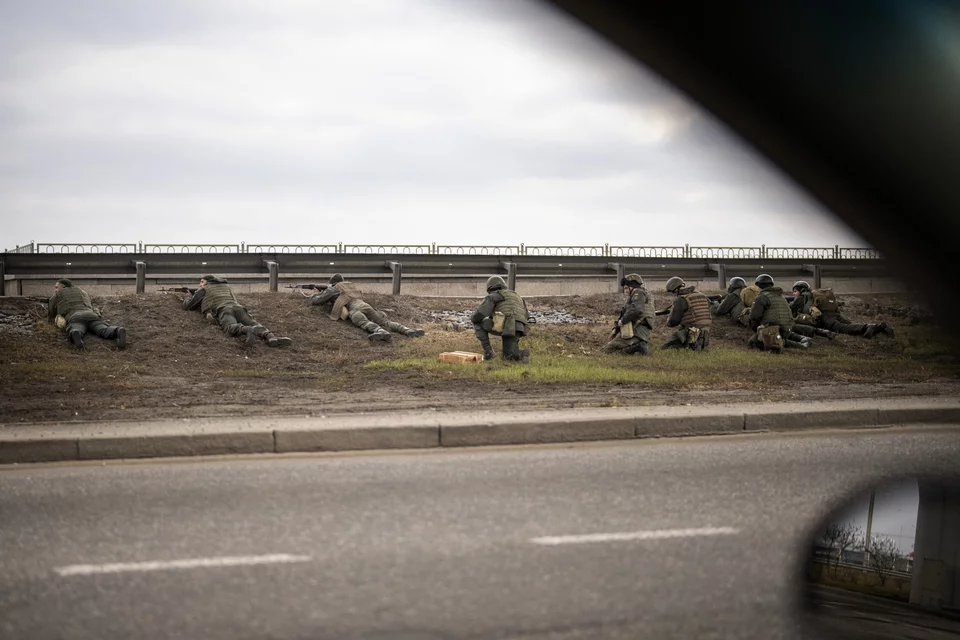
point(274, 270)
point(813, 269)
point(936, 581)
point(141, 275)
point(3, 279)
point(621, 270)
point(722, 276)
point(511, 275)
point(397, 269)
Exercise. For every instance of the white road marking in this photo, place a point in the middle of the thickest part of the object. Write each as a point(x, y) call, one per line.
point(658, 534)
point(190, 563)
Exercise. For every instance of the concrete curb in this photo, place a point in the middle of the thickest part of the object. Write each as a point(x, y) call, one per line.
point(429, 429)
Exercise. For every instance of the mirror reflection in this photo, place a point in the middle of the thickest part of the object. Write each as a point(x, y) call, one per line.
point(884, 565)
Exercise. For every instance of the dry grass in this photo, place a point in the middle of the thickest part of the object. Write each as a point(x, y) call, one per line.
point(175, 355)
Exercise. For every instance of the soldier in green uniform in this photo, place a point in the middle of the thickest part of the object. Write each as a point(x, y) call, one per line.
point(829, 317)
point(502, 313)
point(691, 316)
point(343, 299)
point(215, 298)
point(632, 334)
point(772, 320)
point(74, 306)
point(732, 305)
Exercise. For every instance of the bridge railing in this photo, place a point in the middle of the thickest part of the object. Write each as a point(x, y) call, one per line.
point(835, 252)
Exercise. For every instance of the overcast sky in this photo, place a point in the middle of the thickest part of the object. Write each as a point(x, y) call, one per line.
point(369, 121)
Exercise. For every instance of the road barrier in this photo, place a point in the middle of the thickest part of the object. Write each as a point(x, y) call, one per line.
point(132, 265)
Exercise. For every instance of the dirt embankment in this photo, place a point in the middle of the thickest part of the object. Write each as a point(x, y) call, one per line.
point(178, 364)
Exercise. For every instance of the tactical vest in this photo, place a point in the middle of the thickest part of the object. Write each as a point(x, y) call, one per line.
point(348, 293)
point(511, 305)
point(698, 310)
point(777, 310)
point(824, 300)
point(647, 312)
point(70, 300)
point(749, 294)
point(806, 302)
point(217, 295)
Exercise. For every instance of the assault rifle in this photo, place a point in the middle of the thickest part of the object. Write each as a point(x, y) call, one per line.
point(716, 298)
point(308, 287)
point(178, 290)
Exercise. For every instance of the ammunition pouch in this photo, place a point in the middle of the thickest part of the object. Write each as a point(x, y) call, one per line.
point(626, 331)
point(498, 321)
point(807, 319)
point(770, 337)
point(61, 322)
point(693, 334)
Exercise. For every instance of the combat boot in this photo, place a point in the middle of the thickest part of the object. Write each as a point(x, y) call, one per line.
point(872, 330)
point(379, 336)
point(76, 339)
point(276, 341)
point(488, 352)
point(885, 329)
point(640, 348)
point(525, 356)
point(121, 338)
point(251, 336)
point(826, 333)
point(414, 333)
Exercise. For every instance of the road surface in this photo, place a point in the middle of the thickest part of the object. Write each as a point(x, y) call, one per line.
point(644, 539)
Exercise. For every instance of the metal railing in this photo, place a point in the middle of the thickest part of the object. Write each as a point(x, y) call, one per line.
point(69, 247)
point(191, 248)
point(294, 248)
point(564, 251)
point(611, 251)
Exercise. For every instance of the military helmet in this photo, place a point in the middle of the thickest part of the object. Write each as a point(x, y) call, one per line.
point(335, 278)
point(632, 280)
point(675, 283)
point(763, 280)
point(494, 283)
point(801, 285)
point(65, 282)
point(736, 283)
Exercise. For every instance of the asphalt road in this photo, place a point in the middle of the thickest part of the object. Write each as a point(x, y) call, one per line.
point(440, 544)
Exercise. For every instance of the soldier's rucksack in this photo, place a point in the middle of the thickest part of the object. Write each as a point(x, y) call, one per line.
point(825, 300)
point(749, 294)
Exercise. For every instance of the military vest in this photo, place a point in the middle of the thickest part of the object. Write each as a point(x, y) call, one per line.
point(70, 300)
point(647, 312)
point(348, 293)
point(698, 310)
point(806, 302)
point(737, 307)
point(777, 310)
point(511, 305)
point(217, 295)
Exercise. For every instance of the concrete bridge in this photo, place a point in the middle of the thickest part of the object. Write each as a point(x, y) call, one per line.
point(434, 270)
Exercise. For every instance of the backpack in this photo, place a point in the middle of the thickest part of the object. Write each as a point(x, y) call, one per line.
point(825, 300)
point(749, 294)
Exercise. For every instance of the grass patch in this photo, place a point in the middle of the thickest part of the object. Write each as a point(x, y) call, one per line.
point(723, 366)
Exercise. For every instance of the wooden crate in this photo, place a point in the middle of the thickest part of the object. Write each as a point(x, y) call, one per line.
point(461, 357)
